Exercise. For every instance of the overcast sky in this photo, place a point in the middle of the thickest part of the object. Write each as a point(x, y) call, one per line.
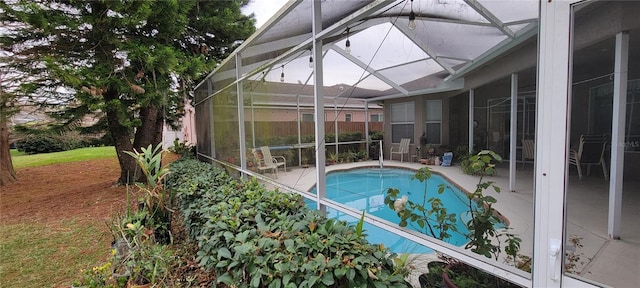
point(263, 9)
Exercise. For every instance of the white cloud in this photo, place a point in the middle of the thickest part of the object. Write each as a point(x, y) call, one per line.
point(263, 9)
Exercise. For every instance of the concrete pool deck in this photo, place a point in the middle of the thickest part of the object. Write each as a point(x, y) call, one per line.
point(612, 262)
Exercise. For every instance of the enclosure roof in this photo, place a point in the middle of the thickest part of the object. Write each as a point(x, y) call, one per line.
point(387, 59)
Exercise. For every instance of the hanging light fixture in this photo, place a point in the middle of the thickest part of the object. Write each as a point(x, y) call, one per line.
point(310, 58)
point(412, 18)
point(347, 45)
point(282, 74)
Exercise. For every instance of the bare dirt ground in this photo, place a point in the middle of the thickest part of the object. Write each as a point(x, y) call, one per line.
point(53, 192)
point(60, 191)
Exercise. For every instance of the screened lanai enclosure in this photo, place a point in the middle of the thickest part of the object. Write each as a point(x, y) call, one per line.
point(328, 81)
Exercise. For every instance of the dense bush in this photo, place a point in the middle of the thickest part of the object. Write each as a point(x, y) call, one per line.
point(43, 143)
point(104, 140)
point(251, 237)
point(183, 149)
point(376, 135)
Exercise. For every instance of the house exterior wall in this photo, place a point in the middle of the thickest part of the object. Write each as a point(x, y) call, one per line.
point(419, 120)
point(459, 120)
point(186, 133)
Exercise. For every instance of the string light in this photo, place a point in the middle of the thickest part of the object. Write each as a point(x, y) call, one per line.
point(282, 74)
point(347, 45)
point(412, 18)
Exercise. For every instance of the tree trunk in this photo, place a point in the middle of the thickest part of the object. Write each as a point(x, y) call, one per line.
point(146, 133)
point(129, 171)
point(159, 127)
point(7, 174)
point(150, 133)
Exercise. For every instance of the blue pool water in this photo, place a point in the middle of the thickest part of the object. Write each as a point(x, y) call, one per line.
point(365, 189)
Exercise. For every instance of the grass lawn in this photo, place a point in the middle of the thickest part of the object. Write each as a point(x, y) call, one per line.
point(15, 152)
point(21, 160)
point(36, 254)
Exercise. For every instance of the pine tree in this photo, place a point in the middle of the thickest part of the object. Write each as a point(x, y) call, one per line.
point(131, 61)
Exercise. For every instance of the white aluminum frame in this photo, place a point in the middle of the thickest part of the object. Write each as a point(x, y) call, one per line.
point(550, 184)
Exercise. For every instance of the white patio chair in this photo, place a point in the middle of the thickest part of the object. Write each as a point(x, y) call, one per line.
point(402, 149)
point(528, 150)
point(262, 166)
point(277, 161)
point(590, 152)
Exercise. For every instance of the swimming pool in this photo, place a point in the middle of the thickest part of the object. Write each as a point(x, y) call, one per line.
point(365, 189)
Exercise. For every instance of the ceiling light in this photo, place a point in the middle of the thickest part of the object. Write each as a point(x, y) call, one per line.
point(282, 74)
point(347, 45)
point(412, 18)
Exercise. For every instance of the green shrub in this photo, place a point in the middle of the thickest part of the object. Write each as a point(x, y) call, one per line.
point(104, 140)
point(376, 135)
point(252, 237)
point(183, 149)
point(34, 144)
point(47, 143)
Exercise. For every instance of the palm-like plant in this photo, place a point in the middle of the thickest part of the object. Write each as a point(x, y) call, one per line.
point(156, 200)
point(150, 161)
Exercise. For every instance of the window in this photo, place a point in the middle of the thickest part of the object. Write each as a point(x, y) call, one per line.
point(307, 117)
point(402, 121)
point(377, 118)
point(433, 123)
point(347, 117)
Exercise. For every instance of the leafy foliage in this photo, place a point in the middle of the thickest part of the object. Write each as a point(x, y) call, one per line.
point(136, 256)
point(183, 149)
point(130, 62)
point(252, 237)
point(150, 160)
point(484, 236)
point(156, 200)
point(436, 222)
point(36, 144)
point(45, 143)
point(465, 276)
point(140, 233)
point(94, 277)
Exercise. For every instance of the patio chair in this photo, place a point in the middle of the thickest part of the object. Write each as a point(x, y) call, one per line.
point(590, 152)
point(277, 161)
point(402, 149)
point(261, 165)
point(528, 150)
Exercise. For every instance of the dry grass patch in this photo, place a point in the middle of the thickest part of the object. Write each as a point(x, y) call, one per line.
point(50, 253)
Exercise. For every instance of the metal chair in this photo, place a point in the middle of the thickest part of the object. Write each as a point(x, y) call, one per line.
point(590, 152)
